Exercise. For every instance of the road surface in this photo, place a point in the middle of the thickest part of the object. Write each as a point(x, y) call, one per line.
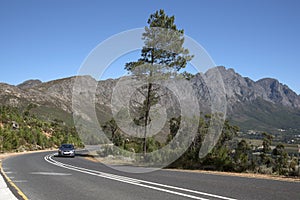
point(41, 176)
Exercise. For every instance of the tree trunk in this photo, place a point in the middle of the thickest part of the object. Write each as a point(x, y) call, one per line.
point(147, 111)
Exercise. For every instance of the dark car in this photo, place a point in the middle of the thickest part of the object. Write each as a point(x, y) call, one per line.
point(66, 150)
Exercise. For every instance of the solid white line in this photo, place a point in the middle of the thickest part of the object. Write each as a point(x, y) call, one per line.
point(133, 181)
point(9, 172)
point(50, 173)
point(20, 181)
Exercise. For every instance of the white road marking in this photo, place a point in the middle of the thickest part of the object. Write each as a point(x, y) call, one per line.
point(10, 172)
point(50, 174)
point(20, 181)
point(132, 181)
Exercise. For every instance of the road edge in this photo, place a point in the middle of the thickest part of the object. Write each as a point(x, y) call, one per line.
point(12, 186)
point(14, 189)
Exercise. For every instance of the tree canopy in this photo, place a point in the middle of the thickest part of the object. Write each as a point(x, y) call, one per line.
point(163, 47)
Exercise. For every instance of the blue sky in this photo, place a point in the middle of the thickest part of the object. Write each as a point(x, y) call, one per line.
point(50, 39)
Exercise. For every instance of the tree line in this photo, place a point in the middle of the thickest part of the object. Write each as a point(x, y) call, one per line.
point(229, 154)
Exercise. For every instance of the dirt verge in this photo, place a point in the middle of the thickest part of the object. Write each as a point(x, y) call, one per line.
point(244, 175)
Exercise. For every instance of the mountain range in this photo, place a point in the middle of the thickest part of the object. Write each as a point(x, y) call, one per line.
point(263, 105)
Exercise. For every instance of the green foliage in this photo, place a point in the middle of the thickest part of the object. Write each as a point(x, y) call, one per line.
point(163, 46)
point(190, 159)
point(152, 144)
point(265, 154)
point(281, 160)
point(228, 132)
point(267, 141)
point(227, 155)
point(238, 157)
point(220, 158)
point(241, 156)
point(188, 76)
point(174, 125)
point(20, 131)
point(111, 129)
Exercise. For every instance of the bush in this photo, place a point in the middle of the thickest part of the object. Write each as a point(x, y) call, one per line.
point(263, 169)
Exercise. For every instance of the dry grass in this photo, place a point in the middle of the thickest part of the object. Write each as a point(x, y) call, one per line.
point(244, 175)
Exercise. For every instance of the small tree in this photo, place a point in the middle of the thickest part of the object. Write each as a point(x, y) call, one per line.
point(267, 141)
point(162, 56)
point(111, 127)
point(241, 156)
point(281, 159)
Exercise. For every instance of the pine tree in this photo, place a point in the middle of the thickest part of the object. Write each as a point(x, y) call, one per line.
point(162, 57)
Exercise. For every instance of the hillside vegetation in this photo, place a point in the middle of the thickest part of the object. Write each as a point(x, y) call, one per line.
point(21, 130)
point(231, 153)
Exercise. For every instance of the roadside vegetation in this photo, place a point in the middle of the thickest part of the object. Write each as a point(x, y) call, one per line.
point(20, 130)
point(230, 154)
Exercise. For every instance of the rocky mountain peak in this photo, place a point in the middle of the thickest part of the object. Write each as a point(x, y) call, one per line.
point(279, 93)
point(238, 88)
point(29, 84)
point(243, 89)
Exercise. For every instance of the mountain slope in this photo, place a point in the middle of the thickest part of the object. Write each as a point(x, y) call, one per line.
point(263, 105)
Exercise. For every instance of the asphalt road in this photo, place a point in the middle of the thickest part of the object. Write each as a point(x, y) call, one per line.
point(44, 177)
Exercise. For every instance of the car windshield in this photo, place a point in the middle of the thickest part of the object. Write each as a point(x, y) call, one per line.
point(67, 146)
